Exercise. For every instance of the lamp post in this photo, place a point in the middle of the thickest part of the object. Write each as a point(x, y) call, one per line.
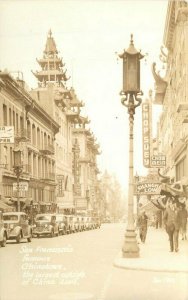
point(131, 89)
point(137, 195)
point(18, 170)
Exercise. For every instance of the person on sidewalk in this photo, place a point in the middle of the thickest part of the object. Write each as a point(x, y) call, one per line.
point(143, 225)
point(172, 221)
point(183, 224)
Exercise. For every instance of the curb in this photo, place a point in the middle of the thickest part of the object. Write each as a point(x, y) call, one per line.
point(149, 264)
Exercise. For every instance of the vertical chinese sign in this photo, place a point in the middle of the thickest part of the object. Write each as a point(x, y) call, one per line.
point(147, 132)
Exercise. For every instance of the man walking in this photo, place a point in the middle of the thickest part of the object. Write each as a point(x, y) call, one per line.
point(172, 221)
point(142, 225)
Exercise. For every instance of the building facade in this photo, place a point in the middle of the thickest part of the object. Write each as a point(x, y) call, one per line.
point(172, 93)
point(34, 134)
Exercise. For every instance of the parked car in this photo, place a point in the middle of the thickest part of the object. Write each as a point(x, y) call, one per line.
point(17, 226)
point(70, 224)
point(3, 232)
point(96, 222)
point(81, 222)
point(76, 222)
point(87, 223)
point(62, 223)
point(45, 224)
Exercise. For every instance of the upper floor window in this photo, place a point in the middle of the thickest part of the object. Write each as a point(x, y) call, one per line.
point(4, 115)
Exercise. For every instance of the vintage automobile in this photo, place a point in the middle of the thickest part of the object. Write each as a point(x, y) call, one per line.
point(62, 223)
point(3, 232)
point(87, 223)
point(45, 224)
point(17, 226)
point(70, 223)
point(76, 222)
point(96, 222)
point(81, 223)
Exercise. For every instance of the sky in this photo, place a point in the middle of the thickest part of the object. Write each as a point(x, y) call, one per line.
point(89, 35)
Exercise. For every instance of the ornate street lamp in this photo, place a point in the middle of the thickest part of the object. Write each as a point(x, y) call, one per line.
point(131, 89)
point(18, 170)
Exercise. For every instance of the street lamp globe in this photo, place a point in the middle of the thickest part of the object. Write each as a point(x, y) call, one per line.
point(131, 69)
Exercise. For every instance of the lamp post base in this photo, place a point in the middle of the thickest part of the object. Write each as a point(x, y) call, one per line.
point(130, 247)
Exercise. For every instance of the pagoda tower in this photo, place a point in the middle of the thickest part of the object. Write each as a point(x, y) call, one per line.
point(52, 66)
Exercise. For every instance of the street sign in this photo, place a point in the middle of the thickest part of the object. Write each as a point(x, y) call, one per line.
point(148, 188)
point(7, 134)
point(158, 161)
point(23, 186)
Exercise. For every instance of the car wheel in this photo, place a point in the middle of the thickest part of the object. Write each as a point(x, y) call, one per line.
point(52, 234)
point(29, 238)
point(4, 241)
point(18, 238)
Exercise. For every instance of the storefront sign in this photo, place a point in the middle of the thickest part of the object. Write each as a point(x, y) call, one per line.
point(146, 133)
point(158, 161)
point(148, 188)
point(6, 134)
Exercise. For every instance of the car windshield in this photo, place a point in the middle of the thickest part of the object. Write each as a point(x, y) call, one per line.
point(10, 218)
point(43, 218)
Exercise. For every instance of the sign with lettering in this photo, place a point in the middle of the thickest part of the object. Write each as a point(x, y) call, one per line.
point(6, 134)
point(158, 161)
point(23, 186)
point(148, 188)
point(146, 133)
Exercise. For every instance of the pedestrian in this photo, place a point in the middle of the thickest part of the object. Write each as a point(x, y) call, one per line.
point(143, 225)
point(183, 224)
point(172, 221)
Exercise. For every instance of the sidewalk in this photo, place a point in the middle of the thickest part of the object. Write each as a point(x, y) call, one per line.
point(155, 255)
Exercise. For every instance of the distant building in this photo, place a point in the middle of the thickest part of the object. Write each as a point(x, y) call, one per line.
point(75, 178)
point(34, 133)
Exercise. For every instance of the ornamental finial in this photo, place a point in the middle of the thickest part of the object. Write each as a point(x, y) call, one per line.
point(50, 33)
point(132, 43)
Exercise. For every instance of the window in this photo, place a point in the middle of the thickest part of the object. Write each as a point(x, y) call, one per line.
point(17, 123)
point(33, 135)
point(10, 117)
point(4, 115)
point(11, 158)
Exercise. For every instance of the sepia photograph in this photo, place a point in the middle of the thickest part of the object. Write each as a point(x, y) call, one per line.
point(93, 149)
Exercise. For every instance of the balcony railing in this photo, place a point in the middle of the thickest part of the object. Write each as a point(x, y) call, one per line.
point(23, 135)
point(47, 149)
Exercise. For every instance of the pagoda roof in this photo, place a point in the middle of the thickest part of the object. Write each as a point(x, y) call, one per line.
point(45, 60)
point(50, 44)
point(45, 73)
point(74, 101)
point(160, 86)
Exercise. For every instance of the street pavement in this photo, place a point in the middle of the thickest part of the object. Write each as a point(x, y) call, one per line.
point(155, 254)
point(80, 266)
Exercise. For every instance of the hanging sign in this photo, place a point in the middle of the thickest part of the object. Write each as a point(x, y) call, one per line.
point(23, 186)
point(158, 161)
point(148, 188)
